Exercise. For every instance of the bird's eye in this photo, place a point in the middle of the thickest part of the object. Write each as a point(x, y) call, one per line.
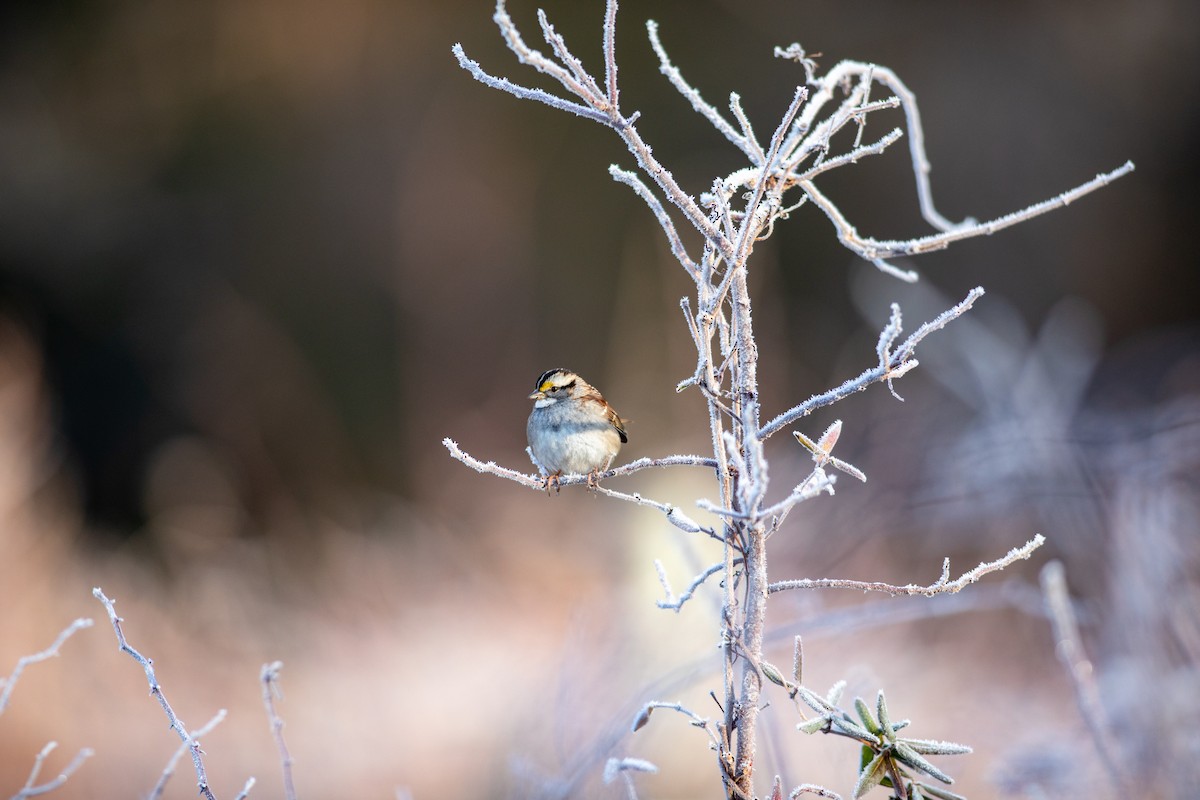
point(555, 388)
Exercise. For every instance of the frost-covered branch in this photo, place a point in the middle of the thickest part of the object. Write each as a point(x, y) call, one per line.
point(664, 220)
point(750, 148)
point(893, 364)
point(704, 723)
point(942, 585)
point(176, 724)
point(535, 482)
point(32, 788)
point(169, 770)
point(739, 210)
point(10, 682)
point(674, 515)
point(270, 690)
point(878, 251)
point(1068, 644)
point(674, 603)
point(596, 105)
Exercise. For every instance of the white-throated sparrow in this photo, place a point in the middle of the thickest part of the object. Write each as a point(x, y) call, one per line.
point(572, 429)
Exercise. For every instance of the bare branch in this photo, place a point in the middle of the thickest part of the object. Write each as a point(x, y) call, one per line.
point(33, 789)
point(739, 113)
point(524, 92)
point(1070, 650)
point(10, 682)
point(169, 770)
point(271, 689)
point(704, 723)
point(534, 482)
point(853, 156)
point(896, 366)
point(616, 766)
point(876, 251)
point(583, 84)
point(527, 55)
point(828, 84)
point(676, 603)
point(752, 151)
point(176, 724)
point(610, 52)
point(942, 585)
point(816, 484)
point(936, 324)
point(664, 220)
point(674, 515)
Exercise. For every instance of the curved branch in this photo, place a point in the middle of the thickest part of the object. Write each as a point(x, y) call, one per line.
point(874, 249)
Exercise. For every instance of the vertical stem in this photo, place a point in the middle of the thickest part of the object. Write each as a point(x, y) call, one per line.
point(755, 608)
point(754, 605)
point(705, 325)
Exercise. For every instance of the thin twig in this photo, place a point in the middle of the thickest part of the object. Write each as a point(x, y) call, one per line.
point(610, 52)
point(535, 482)
point(698, 103)
point(523, 92)
point(674, 515)
point(10, 682)
point(877, 373)
point(942, 585)
point(32, 788)
point(156, 691)
point(1074, 658)
point(704, 723)
point(664, 220)
point(674, 603)
point(245, 789)
point(169, 770)
point(876, 250)
point(270, 690)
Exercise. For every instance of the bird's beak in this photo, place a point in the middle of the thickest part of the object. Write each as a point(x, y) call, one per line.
point(538, 396)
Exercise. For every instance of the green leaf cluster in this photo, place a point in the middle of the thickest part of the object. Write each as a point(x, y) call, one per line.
point(888, 759)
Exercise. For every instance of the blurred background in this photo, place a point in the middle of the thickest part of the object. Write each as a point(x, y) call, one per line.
point(258, 258)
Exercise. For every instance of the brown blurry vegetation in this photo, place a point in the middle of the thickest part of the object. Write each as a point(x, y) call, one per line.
point(257, 258)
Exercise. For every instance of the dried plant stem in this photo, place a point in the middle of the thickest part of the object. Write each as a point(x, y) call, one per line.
point(942, 585)
point(169, 770)
point(10, 682)
point(1070, 650)
point(270, 681)
point(738, 211)
point(32, 788)
point(176, 724)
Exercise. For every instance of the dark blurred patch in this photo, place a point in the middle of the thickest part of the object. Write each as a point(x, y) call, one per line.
point(324, 180)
